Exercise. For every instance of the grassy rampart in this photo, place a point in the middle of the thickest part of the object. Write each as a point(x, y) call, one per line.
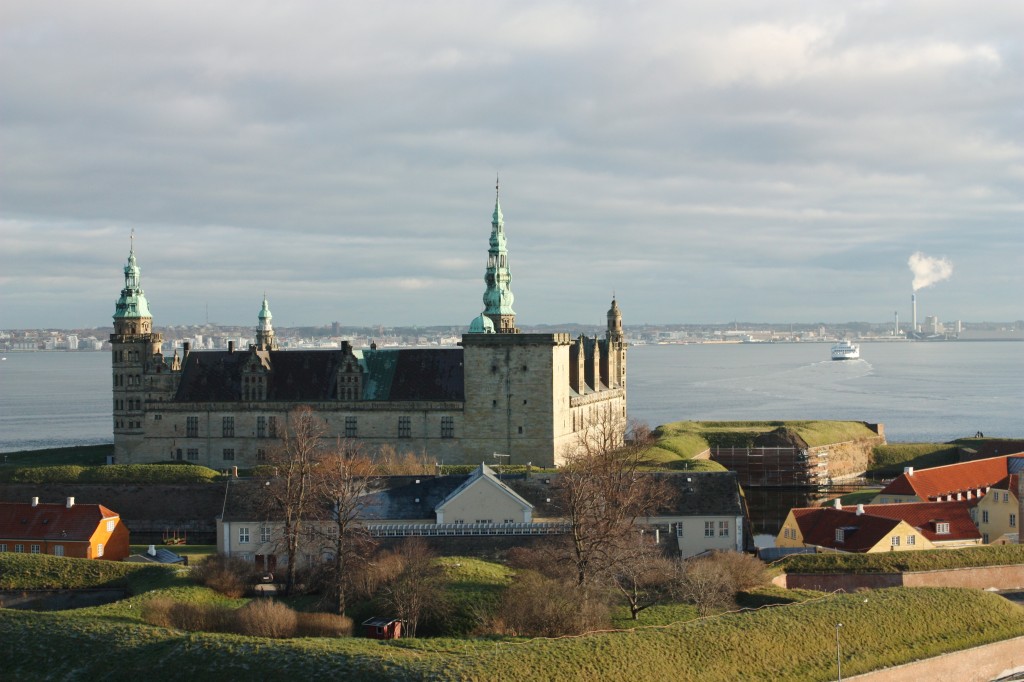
point(133, 474)
point(898, 562)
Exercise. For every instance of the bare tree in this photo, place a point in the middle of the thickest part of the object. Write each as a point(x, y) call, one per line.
point(417, 590)
point(603, 494)
point(643, 575)
point(289, 495)
point(704, 584)
point(343, 478)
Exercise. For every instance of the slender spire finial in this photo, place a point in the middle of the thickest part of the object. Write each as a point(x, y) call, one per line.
point(131, 248)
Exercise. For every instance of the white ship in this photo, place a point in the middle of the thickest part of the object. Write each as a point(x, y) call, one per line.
point(844, 350)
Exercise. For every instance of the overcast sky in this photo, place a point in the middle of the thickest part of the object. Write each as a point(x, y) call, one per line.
point(706, 162)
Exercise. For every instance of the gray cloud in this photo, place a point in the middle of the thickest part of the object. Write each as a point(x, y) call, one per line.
point(751, 161)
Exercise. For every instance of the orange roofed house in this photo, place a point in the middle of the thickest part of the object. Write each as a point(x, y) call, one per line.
point(952, 482)
point(881, 527)
point(84, 531)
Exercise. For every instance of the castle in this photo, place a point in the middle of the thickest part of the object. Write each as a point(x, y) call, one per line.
point(528, 397)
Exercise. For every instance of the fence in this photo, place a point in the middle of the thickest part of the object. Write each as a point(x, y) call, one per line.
point(460, 529)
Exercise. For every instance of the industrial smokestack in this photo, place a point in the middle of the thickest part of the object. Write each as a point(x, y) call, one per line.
point(913, 304)
point(896, 324)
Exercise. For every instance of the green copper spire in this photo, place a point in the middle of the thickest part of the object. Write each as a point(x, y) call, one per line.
point(265, 310)
point(498, 296)
point(266, 339)
point(133, 303)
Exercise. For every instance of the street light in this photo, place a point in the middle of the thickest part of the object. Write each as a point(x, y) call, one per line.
point(839, 662)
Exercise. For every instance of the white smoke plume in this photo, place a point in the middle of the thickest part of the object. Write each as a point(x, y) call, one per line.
point(927, 270)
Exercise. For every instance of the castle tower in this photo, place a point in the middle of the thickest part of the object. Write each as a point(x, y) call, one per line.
point(616, 351)
point(132, 344)
point(265, 337)
point(498, 295)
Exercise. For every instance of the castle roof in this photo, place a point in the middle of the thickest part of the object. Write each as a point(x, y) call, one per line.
point(311, 375)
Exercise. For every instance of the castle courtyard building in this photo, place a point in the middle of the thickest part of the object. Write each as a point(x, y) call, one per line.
point(533, 397)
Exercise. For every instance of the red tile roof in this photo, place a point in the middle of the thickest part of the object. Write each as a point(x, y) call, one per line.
point(51, 521)
point(931, 484)
point(1011, 483)
point(818, 524)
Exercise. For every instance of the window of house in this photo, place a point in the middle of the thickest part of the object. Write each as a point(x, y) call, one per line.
point(911, 539)
point(984, 516)
point(243, 535)
point(261, 427)
point(723, 529)
point(264, 534)
point(351, 427)
point(405, 427)
point(272, 427)
point(19, 548)
point(192, 453)
point(110, 525)
point(99, 549)
point(984, 538)
point(191, 427)
point(1013, 520)
point(447, 427)
point(228, 427)
point(58, 550)
point(679, 529)
point(3, 546)
point(895, 540)
point(1006, 497)
point(229, 453)
point(942, 527)
point(261, 455)
point(840, 535)
point(709, 529)
point(34, 549)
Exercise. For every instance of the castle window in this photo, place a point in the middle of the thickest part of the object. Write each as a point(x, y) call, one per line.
point(229, 453)
point(520, 430)
point(261, 455)
point(261, 427)
point(192, 454)
point(351, 427)
point(228, 427)
point(405, 427)
point(447, 427)
point(191, 427)
point(272, 427)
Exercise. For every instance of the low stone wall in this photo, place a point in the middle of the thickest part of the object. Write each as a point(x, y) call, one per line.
point(979, 578)
point(980, 664)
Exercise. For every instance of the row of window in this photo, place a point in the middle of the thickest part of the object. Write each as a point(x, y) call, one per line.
point(266, 427)
point(243, 535)
point(120, 355)
point(1013, 518)
point(58, 550)
point(127, 380)
point(709, 529)
point(227, 454)
point(894, 541)
point(131, 403)
point(127, 424)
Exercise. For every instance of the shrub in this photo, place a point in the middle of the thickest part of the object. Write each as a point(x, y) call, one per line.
point(228, 575)
point(324, 625)
point(266, 618)
point(535, 605)
point(704, 585)
point(744, 570)
point(157, 611)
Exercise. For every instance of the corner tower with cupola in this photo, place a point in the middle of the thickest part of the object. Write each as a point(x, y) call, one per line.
point(133, 344)
point(265, 337)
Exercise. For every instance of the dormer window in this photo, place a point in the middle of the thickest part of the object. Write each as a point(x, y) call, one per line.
point(840, 535)
point(942, 528)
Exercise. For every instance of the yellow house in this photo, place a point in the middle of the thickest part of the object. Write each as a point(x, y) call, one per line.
point(880, 528)
point(998, 513)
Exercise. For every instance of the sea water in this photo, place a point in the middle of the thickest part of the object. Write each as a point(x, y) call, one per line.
point(929, 392)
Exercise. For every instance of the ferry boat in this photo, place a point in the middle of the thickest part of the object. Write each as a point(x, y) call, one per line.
point(844, 350)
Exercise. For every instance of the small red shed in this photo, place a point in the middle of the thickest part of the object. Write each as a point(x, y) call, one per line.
point(382, 628)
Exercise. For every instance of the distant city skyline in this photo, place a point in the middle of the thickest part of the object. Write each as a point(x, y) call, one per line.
point(703, 163)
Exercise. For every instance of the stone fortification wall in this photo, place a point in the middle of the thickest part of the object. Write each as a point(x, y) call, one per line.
point(980, 664)
point(980, 578)
point(848, 459)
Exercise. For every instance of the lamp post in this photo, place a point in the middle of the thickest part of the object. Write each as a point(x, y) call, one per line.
point(839, 661)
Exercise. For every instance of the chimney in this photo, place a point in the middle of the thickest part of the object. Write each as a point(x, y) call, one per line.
point(71, 502)
point(186, 347)
point(152, 550)
point(909, 471)
point(837, 504)
point(35, 501)
point(860, 510)
point(231, 346)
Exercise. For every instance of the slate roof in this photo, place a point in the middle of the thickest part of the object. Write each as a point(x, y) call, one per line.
point(818, 524)
point(311, 375)
point(483, 471)
point(162, 556)
point(930, 484)
point(51, 521)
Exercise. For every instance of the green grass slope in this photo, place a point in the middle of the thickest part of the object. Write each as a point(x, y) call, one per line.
point(791, 642)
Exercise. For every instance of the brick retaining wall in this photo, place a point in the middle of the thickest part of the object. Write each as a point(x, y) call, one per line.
point(980, 578)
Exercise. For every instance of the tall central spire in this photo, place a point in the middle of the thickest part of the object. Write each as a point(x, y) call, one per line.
point(498, 296)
